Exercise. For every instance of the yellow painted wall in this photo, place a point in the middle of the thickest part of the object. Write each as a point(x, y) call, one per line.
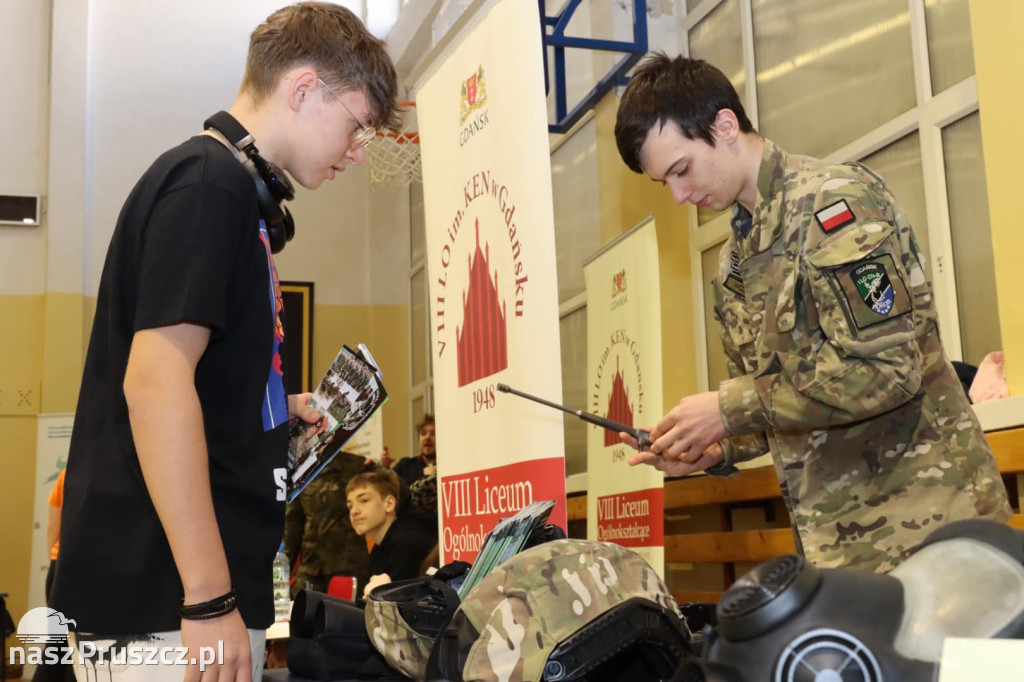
point(385, 331)
point(626, 199)
point(21, 354)
point(17, 486)
point(996, 27)
point(68, 323)
point(21, 360)
point(389, 328)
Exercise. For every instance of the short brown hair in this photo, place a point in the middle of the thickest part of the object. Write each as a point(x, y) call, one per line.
point(428, 419)
point(332, 40)
point(384, 481)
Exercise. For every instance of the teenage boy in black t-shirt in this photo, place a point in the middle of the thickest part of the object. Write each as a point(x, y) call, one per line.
point(175, 486)
point(401, 543)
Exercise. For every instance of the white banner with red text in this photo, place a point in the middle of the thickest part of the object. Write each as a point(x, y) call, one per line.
point(491, 271)
point(625, 504)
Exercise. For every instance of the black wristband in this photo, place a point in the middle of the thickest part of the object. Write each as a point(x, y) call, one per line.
point(215, 608)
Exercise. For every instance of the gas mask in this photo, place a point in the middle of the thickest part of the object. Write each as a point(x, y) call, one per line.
point(787, 621)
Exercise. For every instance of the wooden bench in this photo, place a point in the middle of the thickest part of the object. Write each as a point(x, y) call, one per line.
point(730, 547)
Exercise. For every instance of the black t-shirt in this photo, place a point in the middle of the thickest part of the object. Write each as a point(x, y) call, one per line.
point(188, 246)
point(404, 547)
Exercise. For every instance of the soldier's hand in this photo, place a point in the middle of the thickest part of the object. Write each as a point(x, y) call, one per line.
point(385, 458)
point(689, 428)
point(710, 457)
point(631, 442)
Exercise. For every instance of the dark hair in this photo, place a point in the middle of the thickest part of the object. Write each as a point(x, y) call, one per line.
point(687, 92)
point(332, 40)
point(428, 419)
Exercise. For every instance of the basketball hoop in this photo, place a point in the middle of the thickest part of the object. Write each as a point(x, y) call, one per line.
point(395, 157)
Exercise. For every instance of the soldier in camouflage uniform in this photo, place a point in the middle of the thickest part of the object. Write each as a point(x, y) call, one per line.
point(830, 328)
point(317, 528)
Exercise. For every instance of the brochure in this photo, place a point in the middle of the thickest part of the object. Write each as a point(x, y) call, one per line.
point(348, 395)
point(507, 539)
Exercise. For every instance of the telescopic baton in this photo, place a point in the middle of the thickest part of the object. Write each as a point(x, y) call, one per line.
point(642, 437)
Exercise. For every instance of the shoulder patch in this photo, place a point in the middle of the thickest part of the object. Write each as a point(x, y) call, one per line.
point(834, 216)
point(874, 290)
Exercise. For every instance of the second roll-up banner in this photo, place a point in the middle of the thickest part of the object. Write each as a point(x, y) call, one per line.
point(625, 504)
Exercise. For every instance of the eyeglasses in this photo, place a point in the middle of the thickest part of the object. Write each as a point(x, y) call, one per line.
point(364, 134)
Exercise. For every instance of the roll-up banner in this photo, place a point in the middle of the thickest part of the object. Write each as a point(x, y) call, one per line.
point(491, 269)
point(625, 504)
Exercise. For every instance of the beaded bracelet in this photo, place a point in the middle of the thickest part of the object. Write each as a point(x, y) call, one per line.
point(221, 606)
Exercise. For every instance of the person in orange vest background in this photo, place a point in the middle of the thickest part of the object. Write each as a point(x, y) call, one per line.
point(54, 672)
point(56, 501)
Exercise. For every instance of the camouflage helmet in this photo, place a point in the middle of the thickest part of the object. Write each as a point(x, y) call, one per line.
point(404, 617)
point(519, 620)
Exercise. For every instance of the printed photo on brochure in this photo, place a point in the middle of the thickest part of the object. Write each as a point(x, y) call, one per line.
point(347, 396)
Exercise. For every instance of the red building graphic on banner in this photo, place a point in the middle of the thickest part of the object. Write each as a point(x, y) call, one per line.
point(619, 407)
point(482, 343)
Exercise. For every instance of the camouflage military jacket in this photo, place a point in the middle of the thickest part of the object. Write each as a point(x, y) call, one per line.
point(318, 528)
point(837, 367)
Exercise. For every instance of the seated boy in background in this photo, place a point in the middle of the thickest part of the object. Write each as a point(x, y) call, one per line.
point(401, 543)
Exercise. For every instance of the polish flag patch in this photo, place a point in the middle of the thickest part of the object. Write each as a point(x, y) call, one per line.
point(834, 216)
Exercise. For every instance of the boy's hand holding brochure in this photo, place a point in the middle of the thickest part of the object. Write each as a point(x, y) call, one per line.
point(347, 396)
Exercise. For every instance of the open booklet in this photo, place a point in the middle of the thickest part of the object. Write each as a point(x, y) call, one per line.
point(507, 539)
point(348, 395)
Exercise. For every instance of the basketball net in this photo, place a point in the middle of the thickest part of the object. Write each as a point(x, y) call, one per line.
point(395, 157)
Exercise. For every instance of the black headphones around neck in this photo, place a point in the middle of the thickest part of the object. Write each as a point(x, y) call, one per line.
point(272, 186)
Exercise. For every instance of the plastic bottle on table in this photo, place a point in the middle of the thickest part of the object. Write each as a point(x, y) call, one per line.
point(282, 596)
